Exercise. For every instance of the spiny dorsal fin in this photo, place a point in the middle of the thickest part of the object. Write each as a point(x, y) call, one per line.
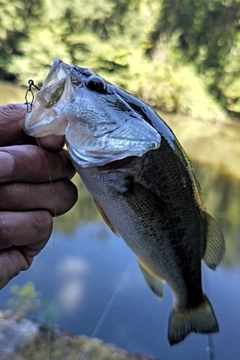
point(155, 283)
point(200, 319)
point(105, 218)
point(215, 244)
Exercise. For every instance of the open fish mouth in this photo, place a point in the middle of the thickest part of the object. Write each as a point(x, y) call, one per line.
point(56, 91)
point(99, 125)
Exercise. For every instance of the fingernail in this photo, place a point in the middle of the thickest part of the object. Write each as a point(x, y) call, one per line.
point(6, 164)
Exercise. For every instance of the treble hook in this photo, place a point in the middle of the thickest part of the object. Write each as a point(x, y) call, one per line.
point(29, 90)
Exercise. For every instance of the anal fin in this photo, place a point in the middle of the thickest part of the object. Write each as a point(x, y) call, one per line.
point(155, 283)
point(105, 218)
point(215, 244)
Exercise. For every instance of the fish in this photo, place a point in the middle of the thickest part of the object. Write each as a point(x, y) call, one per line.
point(142, 183)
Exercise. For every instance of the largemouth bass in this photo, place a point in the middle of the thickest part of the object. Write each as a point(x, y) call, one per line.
point(141, 181)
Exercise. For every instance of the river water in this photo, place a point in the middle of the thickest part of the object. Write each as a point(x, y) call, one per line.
point(90, 282)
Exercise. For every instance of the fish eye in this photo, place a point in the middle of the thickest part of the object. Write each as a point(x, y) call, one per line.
point(96, 84)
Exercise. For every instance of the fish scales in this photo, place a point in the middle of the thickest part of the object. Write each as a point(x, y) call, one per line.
point(141, 181)
point(163, 226)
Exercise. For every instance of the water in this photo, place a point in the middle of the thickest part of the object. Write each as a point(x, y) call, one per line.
point(84, 265)
point(80, 270)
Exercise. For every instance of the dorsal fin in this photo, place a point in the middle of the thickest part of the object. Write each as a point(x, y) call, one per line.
point(215, 244)
point(155, 283)
point(105, 218)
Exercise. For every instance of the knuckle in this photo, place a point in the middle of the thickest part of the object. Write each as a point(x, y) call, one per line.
point(42, 221)
point(66, 196)
point(19, 228)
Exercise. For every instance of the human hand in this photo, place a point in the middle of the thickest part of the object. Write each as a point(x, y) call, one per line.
point(34, 186)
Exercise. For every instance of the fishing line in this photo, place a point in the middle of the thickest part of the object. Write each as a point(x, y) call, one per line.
point(210, 343)
point(51, 319)
point(108, 307)
point(30, 93)
point(209, 348)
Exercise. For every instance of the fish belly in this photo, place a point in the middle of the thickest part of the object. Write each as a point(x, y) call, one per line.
point(145, 233)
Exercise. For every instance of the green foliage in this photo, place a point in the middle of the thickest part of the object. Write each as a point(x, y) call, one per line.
point(167, 84)
point(155, 49)
point(24, 298)
point(50, 313)
point(14, 26)
point(208, 35)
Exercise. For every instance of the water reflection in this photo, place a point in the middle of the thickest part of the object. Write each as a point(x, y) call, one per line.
point(82, 271)
point(71, 270)
point(221, 194)
point(114, 302)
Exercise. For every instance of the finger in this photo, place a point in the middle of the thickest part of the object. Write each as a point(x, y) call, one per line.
point(23, 235)
point(23, 228)
point(32, 164)
point(12, 262)
point(11, 121)
point(53, 142)
point(57, 197)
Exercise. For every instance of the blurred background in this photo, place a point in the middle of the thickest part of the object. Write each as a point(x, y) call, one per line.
point(182, 58)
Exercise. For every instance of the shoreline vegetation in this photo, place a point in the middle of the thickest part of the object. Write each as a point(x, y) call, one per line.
point(173, 55)
point(213, 142)
point(26, 339)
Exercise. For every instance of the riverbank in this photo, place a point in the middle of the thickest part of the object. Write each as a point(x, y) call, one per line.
point(25, 339)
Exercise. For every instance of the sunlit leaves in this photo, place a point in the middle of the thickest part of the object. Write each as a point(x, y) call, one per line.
point(167, 39)
point(208, 33)
point(24, 298)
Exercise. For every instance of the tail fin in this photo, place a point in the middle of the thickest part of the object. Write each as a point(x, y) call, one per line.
point(200, 320)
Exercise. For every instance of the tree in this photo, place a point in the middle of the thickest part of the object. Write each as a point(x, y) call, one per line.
point(208, 35)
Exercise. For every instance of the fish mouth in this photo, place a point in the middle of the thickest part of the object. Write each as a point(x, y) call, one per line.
point(99, 127)
point(58, 71)
point(45, 123)
point(46, 127)
point(46, 116)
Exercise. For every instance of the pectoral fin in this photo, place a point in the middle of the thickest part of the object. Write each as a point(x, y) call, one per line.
point(215, 245)
point(105, 218)
point(155, 283)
